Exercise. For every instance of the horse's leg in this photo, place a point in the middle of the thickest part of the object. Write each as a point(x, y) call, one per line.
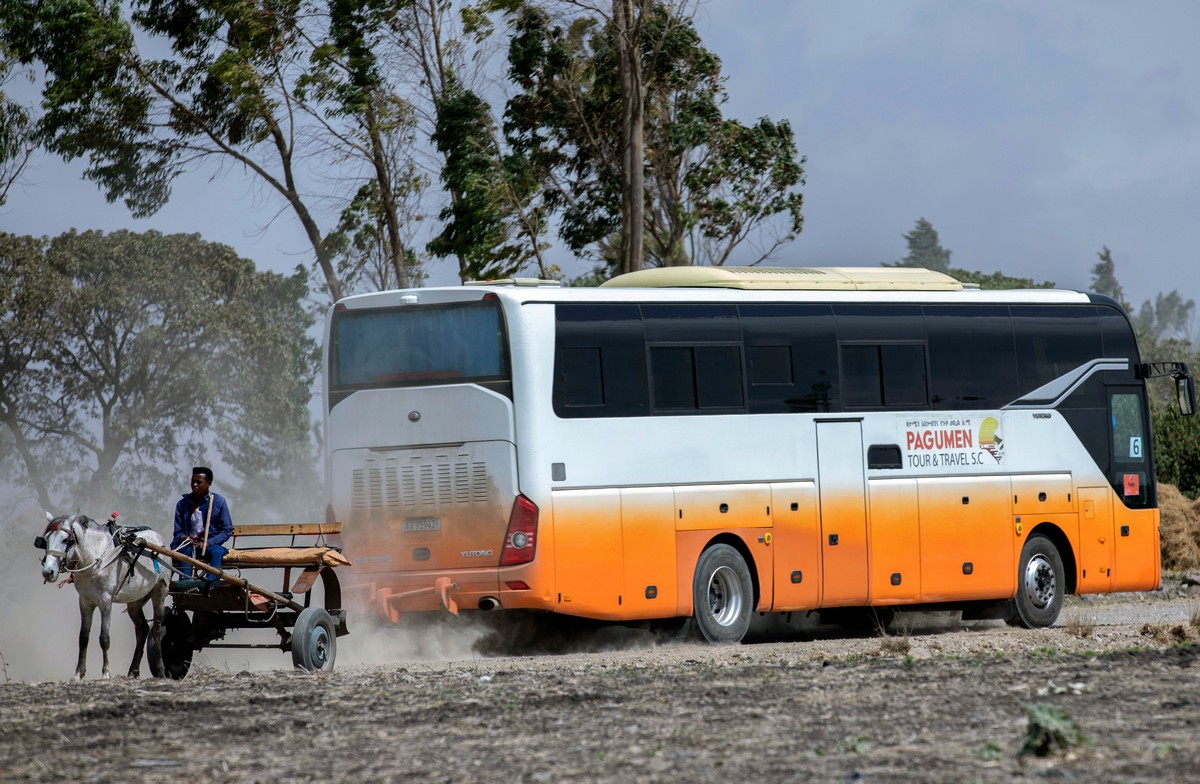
point(158, 601)
point(86, 611)
point(105, 620)
point(141, 630)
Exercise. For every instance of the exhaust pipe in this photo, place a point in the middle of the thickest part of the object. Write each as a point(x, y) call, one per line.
point(488, 603)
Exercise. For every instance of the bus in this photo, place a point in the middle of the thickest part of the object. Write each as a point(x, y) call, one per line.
point(714, 443)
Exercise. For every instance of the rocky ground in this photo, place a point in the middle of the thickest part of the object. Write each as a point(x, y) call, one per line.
point(1110, 694)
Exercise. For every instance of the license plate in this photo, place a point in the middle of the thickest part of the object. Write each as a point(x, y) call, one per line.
point(423, 524)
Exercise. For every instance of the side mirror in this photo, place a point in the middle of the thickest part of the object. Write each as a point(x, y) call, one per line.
point(40, 542)
point(1185, 393)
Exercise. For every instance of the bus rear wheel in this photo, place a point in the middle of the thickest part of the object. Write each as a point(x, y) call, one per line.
point(723, 595)
point(1041, 581)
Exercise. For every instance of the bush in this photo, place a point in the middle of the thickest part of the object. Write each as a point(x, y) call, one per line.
point(1050, 730)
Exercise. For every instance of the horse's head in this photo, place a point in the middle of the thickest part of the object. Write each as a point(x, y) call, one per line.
point(59, 538)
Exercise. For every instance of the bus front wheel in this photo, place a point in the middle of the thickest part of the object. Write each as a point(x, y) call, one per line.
point(723, 595)
point(1041, 581)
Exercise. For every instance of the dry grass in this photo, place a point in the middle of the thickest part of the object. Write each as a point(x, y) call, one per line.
point(1080, 625)
point(894, 644)
point(1194, 619)
point(1179, 528)
point(1171, 633)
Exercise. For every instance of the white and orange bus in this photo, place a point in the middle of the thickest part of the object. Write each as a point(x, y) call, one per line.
point(718, 442)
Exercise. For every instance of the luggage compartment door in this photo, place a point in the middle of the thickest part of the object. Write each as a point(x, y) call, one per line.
point(841, 476)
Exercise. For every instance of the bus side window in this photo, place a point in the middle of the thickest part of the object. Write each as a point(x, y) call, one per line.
point(579, 377)
point(972, 359)
point(701, 377)
point(673, 377)
point(904, 377)
point(862, 384)
point(600, 361)
point(792, 357)
point(771, 365)
point(887, 375)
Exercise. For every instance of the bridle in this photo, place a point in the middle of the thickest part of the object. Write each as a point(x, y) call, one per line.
point(69, 542)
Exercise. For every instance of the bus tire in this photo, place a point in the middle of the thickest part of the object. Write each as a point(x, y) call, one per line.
point(722, 595)
point(1041, 581)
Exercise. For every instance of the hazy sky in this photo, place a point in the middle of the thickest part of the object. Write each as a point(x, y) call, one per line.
point(1029, 133)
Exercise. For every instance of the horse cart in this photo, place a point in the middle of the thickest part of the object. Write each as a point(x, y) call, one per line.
point(200, 616)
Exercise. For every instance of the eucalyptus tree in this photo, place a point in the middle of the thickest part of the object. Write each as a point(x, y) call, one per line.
point(709, 184)
point(492, 222)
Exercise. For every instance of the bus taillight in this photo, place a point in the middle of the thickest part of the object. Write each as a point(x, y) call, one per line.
point(520, 541)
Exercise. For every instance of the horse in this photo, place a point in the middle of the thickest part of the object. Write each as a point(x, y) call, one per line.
point(105, 567)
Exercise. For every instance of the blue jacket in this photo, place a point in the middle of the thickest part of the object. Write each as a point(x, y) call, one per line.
point(220, 527)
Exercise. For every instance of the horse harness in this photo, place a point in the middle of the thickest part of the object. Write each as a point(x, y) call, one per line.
point(123, 538)
point(65, 523)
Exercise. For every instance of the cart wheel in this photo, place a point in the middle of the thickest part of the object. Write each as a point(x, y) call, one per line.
point(314, 645)
point(176, 643)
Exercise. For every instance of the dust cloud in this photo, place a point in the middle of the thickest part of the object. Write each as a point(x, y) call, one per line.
point(39, 626)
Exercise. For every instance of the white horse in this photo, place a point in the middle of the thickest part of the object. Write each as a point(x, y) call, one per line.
point(105, 571)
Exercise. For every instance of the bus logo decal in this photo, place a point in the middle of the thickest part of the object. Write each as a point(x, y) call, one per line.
point(989, 438)
point(954, 442)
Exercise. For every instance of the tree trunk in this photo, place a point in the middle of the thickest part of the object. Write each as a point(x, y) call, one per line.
point(395, 246)
point(28, 458)
point(627, 18)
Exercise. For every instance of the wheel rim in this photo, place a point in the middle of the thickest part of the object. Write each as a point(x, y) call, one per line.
point(1041, 584)
point(725, 596)
point(318, 648)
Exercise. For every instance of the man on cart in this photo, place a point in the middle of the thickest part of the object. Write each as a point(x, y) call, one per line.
point(202, 525)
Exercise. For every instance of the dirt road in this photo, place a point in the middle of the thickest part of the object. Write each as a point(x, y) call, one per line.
point(933, 701)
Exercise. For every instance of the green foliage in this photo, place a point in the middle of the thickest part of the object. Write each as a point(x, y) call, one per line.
point(483, 226)
point(330, 94)
point(925, 249)
point(747, 173)
point(990, 751)
point(16, 143)
point(164, 350)
point(854, 744)
point(268, 85)
point(1169, 315)
point(1161, 327)
point(997, 280)
point(27, 325)
point(1104, 278)
point(1165, 317)
point(1049, 731)
point(1176, 447)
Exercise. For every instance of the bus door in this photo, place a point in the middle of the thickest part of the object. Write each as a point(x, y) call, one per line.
point(841, 477)
point(1135, 540)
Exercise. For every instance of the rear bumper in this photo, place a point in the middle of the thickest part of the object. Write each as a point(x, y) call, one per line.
point(390, 595)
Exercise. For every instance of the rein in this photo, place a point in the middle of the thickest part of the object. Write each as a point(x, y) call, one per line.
point(92, 565)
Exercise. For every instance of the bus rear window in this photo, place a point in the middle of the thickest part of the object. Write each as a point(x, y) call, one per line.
point(418, 345)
